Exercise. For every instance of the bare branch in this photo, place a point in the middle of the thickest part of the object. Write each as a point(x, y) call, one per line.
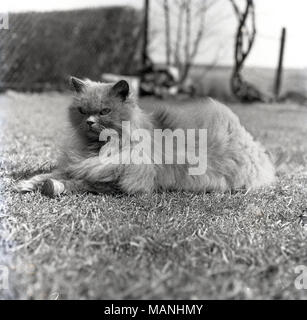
point(242, 89)
point(167, 32)
point(187, 30)
point(177, 52)
point(236, 9)
point(183, 42)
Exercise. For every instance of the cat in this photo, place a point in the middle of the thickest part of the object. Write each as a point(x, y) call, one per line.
point(234, 160)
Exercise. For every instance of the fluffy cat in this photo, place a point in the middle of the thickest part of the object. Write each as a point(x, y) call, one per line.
point(234, 160)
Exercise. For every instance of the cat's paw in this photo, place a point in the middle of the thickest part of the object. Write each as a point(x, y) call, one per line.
point(53, 188)
point(24, 186)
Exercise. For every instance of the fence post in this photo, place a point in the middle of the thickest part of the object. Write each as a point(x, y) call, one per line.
point(280, 64)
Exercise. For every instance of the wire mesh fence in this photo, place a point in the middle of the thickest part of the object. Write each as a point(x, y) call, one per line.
point(40, 50)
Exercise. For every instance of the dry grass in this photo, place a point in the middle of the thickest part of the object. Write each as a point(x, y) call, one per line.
point(171, 245)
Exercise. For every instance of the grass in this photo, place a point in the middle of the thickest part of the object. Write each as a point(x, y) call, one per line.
point(170, 245)
point(215, 82)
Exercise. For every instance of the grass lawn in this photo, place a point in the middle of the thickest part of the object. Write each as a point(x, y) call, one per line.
point(171, 245)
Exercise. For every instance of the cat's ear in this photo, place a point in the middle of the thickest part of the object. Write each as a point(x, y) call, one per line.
point(77, 85)
point(120, 90)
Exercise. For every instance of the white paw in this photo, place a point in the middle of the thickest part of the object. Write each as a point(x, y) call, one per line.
point(52, 188)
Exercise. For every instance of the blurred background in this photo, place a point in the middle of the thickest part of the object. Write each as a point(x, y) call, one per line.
point(228, 49)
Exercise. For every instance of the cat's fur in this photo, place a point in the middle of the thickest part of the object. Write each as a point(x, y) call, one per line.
point(234, 161)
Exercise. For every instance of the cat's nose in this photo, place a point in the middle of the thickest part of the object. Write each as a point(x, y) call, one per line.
point(90, 122)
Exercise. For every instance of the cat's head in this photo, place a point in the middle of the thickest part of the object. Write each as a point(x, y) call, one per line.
point(99, 106)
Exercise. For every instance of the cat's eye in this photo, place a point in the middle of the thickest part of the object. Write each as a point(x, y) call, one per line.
point(81, 110)
point(105, 111)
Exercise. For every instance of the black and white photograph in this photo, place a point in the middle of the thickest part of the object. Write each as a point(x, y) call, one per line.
point(153, 150)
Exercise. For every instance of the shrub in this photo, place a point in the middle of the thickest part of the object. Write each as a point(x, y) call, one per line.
point(40, 50)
